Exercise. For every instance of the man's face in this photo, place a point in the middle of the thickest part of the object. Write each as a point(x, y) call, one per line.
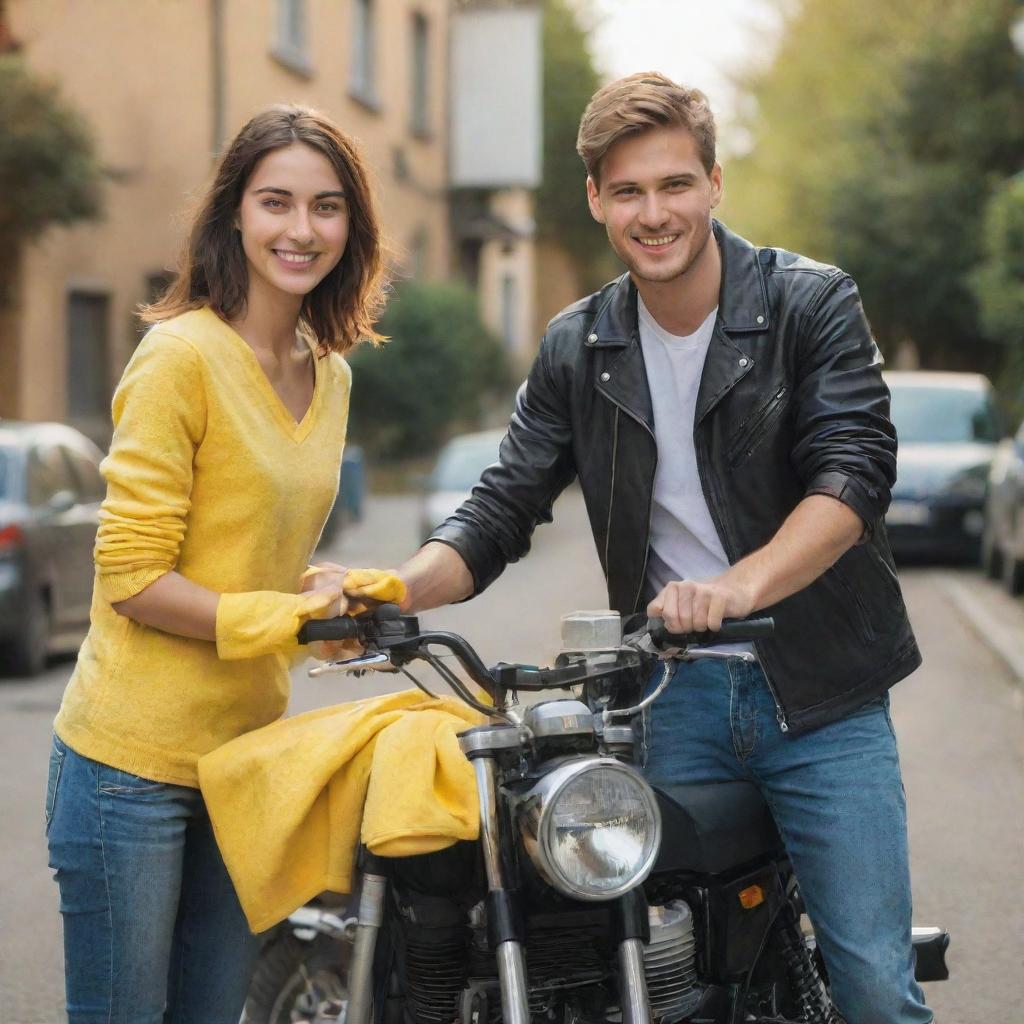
point(655, 201)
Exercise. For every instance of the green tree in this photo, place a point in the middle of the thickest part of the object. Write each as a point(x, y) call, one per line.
point(436, 372)
point(48, 168)
point(881, 129)
point(998, 283)
point(570, 79)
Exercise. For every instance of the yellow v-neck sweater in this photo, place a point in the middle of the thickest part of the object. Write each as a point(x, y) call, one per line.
point(208, 474)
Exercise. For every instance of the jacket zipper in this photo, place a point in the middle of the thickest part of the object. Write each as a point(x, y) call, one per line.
point(706, 485)
point(650, 496)
point(761, 420)
point(611, 489)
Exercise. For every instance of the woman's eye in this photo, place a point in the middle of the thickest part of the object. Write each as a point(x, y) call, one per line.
point(272, 204)
point(327, 208)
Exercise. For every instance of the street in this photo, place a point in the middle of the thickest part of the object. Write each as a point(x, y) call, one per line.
point(959, 719)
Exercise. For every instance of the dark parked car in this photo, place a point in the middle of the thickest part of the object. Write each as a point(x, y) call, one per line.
point(1002, 545)
point(948, 429)
point(50, 493)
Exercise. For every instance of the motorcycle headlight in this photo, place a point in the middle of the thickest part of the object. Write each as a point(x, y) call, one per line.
point(592, 828)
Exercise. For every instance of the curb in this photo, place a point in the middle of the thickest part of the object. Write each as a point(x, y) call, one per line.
point(995, 618)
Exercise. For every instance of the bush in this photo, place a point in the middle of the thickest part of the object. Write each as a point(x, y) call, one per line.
point(437, 371)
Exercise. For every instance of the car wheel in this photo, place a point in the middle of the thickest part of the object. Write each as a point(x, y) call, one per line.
point(26, 653)
point(991, 556)
point(1013, 574)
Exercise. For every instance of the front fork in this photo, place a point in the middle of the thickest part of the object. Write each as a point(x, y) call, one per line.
point(506, 933)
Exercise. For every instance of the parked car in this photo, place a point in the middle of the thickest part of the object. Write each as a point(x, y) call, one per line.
point(348, 505)
point(1002, 542)
point(50, 494)
point(948, 428)
point(456, 472)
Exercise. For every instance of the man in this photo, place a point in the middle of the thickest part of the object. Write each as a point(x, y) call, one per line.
point(724, 410)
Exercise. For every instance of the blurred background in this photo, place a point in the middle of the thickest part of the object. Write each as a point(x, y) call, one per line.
point(885, 136)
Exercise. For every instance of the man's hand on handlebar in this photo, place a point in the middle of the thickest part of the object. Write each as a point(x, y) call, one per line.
point(693, 606)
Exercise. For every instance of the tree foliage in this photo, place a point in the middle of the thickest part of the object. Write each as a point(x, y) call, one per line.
point(437, 370)
point(998, 282)
point(570, 79)
point(880, 131)
point(48, 168)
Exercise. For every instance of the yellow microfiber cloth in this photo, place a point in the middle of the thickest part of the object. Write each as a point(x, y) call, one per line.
point(290, 802)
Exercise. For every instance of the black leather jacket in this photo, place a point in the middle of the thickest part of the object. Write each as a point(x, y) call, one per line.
point(791, 403)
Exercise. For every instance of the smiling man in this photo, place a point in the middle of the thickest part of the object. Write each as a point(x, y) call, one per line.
point(723, 408)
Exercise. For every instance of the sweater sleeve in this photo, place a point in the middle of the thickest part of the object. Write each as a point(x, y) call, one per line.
point(159, 413)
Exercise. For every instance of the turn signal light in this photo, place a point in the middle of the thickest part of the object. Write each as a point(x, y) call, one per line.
point(752, 896)
point(10, 537)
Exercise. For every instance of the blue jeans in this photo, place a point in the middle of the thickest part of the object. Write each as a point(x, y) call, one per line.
point(838, 800)
point(153, 932)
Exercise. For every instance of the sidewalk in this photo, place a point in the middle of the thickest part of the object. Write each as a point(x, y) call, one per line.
point(995, 617)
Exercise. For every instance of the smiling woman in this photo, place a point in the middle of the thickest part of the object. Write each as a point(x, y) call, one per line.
point(229, 421)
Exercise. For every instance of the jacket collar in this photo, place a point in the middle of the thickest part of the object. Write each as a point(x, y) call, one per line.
point(742, 300)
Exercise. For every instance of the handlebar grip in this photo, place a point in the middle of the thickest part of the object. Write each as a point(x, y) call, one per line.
point(732, 631)
point(344, 627)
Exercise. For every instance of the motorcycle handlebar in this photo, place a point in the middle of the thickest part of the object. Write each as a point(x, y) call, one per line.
point(344, 627)
point(732, 631)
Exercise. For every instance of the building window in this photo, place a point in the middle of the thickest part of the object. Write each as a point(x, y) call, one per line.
point(419, 77)
point(363, 83)
point(419, 253)
point(88, 363)
point(291, 46)
point(509, 309)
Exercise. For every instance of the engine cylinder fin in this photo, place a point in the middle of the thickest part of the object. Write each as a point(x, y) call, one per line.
point(670, 961)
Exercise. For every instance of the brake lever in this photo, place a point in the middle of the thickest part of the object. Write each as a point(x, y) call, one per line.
point(371, 662)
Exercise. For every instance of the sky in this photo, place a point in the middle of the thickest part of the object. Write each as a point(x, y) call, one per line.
point(695, 42)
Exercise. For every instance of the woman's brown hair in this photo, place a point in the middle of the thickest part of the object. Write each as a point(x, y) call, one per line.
point(212, 270)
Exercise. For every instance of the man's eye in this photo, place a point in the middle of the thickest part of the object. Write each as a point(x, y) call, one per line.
point(677, 185)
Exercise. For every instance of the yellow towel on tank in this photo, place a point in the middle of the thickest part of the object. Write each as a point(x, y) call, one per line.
point(290, 802)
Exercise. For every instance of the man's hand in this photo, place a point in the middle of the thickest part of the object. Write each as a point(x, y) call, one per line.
point(692, 606)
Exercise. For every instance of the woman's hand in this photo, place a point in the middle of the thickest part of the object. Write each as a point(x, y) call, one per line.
point(317, 577)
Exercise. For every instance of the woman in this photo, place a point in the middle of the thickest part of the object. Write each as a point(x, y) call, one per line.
point(229, 425)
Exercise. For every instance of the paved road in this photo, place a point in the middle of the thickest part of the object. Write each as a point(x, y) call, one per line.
point(960, 721)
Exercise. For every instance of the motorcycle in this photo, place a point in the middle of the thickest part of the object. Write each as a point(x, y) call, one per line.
point(590, 896)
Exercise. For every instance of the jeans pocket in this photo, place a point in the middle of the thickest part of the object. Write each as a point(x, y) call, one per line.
point(114, 782)
point(57, 754)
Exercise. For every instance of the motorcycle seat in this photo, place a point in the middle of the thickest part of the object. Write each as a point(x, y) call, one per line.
point(711, 828)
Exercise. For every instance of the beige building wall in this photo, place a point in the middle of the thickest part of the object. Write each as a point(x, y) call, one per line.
point(142, 73)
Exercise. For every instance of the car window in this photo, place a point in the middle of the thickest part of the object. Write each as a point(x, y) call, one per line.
point(936, 415)
point(460, 466)
point(48, 474)
point(91, 486)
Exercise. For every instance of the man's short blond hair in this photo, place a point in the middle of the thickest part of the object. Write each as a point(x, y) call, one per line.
point(637, 103)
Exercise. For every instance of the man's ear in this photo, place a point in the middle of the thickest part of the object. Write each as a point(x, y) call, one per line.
point(717, 185)
point(594, 201)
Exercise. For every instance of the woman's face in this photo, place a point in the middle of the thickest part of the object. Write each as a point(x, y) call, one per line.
point(294, 220)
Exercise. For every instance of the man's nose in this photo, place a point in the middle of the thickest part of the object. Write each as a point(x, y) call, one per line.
point(652, 212)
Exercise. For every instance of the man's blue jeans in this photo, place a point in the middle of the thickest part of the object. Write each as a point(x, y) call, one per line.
point(153, 932)
point(837, 798)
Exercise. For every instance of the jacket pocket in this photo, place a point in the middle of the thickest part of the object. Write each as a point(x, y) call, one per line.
point(57, 754)
point(754, 431)
point(858, 610)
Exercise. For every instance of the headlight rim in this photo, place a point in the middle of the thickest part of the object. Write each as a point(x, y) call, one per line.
point(538, 845)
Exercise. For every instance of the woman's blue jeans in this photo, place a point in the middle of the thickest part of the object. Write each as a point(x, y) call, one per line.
point(837, 798)
point(153, 932)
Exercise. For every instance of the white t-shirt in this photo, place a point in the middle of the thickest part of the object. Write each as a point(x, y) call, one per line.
point(684, 542)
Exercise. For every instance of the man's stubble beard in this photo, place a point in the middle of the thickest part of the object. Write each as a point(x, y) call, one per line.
point(670, 273)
